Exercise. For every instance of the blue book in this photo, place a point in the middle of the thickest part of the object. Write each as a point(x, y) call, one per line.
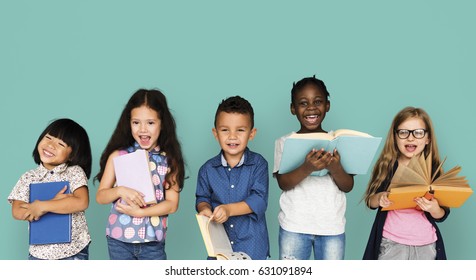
point(51, 227)
point(357, 150)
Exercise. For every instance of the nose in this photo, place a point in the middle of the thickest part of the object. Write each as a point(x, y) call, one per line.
point(50, 144)
point(232, 135)
point(143, 127)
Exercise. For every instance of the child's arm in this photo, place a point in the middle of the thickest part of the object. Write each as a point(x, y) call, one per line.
point(256, 202)
point(18, 209)
point(344, 181)
point(60, 204)
point(165, 207)
point(223, 212)
point(107, 193)
point(315, 160)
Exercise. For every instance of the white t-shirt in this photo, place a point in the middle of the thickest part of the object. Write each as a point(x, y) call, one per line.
point(314, 206)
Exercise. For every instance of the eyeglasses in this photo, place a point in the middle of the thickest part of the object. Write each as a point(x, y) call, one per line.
point(405, 133)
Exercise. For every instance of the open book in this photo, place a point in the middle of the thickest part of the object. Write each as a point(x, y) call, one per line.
point(357, 150)
point(132, 171)
point(416, 179)
point(51, 227)
point(216, 240)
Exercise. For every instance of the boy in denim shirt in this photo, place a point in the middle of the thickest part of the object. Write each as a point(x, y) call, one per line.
point(232, 187)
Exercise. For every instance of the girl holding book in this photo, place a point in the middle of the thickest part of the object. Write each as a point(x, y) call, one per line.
point(405, 233)
point(63, 153)
point(135, 230)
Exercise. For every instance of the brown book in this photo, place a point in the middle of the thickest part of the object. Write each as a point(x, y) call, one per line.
point(416, 179)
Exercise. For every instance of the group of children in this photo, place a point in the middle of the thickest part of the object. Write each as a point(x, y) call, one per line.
point(232, 187)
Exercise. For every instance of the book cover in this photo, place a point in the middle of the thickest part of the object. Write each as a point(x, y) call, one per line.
point(416, 179)
point(214, 236)
point(132, 171)
point(357, 150)
point(51, 227)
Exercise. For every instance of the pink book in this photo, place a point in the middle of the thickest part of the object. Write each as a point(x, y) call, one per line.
point(132, 171)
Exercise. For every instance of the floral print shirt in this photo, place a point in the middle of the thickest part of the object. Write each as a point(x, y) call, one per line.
point(80, 236)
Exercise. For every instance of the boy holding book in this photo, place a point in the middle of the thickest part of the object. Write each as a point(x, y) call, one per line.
point(232, 187)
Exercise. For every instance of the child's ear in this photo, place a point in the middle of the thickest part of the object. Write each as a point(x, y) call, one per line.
point(215, 134)
point(252, 133)
point(328, 106)
point(293, 111)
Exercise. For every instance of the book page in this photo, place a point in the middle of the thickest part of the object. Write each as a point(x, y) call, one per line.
point(219, 238)
point(415, 179)
point(214, 236)
point(350, 132)
point(315, 135)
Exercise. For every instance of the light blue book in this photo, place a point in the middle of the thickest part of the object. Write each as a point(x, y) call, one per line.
point(357, 150)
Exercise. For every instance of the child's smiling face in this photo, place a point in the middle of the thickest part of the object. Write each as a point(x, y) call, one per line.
point(411, 146)
point(310, 106)
point(53, 151)
point(145, 127)
point(233, 131)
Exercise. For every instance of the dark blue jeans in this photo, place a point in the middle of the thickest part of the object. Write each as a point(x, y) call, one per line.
point(119, 250)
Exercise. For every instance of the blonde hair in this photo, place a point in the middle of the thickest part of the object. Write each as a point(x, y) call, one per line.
point(390, 153)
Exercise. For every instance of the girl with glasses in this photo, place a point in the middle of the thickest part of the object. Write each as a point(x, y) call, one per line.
point(406, 233)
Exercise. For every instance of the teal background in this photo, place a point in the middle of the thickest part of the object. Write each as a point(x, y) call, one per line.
point(83, 60)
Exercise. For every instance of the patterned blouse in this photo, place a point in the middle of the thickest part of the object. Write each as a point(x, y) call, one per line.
point(142, 229)
point(76, 177)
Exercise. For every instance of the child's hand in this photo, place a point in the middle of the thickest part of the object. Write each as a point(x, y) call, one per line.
point(383, 200)
point(427, 205)
point(334, 162)
point(207, 212)
point(317, 160)
point(220, 214)
point(128, 208)
point(132, 196)
point(61, 194)
point(33, 211)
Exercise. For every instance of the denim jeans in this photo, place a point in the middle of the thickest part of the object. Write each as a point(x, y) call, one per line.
point(298, 246)
point(81, 256)
point(119, 250)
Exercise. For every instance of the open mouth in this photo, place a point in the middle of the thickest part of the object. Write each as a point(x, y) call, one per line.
point(312, 119)
point(144, 140)
point(410, 148)
point(48, 154)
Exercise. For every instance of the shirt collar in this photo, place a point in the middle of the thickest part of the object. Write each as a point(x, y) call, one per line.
point(42, 170)
point(243, 159)
point(155, 150)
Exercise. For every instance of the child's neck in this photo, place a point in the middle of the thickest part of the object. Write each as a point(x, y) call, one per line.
point(304, 130)
point(233, 160)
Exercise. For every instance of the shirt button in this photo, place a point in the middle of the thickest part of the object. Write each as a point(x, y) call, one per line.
point(229, 169)
point(232, 186)
point(232, 242)
point(231, 226)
